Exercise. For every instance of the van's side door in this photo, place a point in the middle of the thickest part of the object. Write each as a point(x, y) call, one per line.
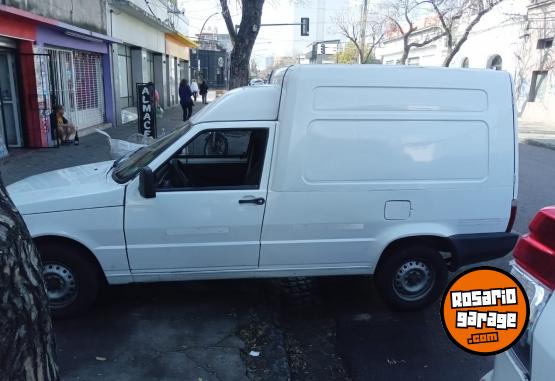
point(209, 205)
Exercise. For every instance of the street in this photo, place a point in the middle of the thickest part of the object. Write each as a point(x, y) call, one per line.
point(207, 330)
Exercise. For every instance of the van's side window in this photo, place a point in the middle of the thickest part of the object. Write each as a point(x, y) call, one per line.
point(217, 159)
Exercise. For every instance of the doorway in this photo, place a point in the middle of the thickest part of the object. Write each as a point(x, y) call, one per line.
point(10, 118)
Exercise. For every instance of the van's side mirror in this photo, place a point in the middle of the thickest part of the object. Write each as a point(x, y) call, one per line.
point(147, 183)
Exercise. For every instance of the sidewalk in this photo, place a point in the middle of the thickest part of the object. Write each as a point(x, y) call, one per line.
point(24, 162)
point(536, 134)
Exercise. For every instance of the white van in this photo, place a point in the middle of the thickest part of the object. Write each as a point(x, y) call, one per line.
point(400, 172)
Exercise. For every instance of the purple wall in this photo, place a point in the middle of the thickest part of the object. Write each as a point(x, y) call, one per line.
point(56, 37)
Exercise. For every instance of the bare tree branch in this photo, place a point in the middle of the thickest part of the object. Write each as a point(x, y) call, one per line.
point(365, 31)
point(228, 21)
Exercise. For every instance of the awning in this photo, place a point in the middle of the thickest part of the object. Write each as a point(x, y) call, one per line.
point(186, 41)
point(178, 45)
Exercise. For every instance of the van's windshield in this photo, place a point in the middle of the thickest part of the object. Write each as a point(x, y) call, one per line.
point(126, 167)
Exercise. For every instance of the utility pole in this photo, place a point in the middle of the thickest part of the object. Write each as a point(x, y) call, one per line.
point(364, 19)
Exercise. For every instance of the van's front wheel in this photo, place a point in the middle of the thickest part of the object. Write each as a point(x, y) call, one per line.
point(72, 280)
point(411, 277)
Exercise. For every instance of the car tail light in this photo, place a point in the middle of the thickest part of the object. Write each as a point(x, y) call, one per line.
point(534, 267)
point(535, 252)
point(538, 295)
point(512, 218)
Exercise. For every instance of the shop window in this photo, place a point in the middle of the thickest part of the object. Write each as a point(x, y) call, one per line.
point(538, 86)
point(88, 78)
point(545, 43)
point(125, 75)
point(150, 67)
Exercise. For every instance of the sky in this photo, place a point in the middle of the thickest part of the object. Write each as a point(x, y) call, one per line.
point(273, 41)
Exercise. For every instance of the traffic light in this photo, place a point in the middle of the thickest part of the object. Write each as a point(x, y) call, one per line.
point(304, 26)
point(323, 48)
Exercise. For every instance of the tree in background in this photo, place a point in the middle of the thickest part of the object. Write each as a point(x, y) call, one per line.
point(364, 29)
point(349, 54)
point(402, 16)
point(27, 346)
point(243, 39)
point(457, 19)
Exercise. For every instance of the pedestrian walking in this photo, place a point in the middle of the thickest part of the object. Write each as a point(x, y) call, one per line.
point(185, 99)
point(194, 89)
point(203, 91)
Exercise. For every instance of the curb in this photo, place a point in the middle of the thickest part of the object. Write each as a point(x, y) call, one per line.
point(537, 143)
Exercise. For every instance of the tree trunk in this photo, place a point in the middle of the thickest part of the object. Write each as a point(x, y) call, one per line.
point(244, 41)
point(406, 49)
point(27, 346)
point(403, 60)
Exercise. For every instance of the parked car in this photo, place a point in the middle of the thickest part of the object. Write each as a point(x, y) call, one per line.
point(400, 172)
point(533, 357)
point(256, 82)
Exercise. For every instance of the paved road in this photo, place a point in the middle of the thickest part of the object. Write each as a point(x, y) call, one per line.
point(536, 183)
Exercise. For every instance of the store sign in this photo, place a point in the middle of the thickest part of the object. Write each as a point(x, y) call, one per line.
point(146, 109)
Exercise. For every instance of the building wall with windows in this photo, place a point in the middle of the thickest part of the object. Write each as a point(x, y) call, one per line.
point(152, 48)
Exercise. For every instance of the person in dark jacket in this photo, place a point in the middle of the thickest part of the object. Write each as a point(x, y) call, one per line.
point(185, 99)
point(61, 128)
point(203, 91)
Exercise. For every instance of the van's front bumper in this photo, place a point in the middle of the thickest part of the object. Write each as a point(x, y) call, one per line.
point(473, 248)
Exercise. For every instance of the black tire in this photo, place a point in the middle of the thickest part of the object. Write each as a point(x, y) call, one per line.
point(299, 292)
point(400, 266)
point(65, 267)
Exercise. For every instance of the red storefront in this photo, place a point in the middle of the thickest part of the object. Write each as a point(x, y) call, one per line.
point(17, 35)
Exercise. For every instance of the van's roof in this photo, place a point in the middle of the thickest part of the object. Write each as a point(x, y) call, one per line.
point(243, 104)
point(253, 103)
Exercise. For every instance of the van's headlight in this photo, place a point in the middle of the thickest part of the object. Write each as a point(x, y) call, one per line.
point(538, 295)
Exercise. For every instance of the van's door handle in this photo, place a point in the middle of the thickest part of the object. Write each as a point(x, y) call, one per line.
point(257, 201)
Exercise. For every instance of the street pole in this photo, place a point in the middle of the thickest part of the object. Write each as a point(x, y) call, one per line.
point(205, 21)
point(200, 36)
point(364, 19)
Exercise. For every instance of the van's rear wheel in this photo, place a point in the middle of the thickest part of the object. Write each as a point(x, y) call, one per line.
point(411, 277)
point(72, 280)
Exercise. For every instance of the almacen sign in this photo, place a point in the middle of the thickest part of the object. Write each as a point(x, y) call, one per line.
point(146, 109)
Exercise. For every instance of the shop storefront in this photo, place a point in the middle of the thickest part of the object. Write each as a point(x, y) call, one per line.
point(75, 73)
point(177, 59)
point(44, 62)
point(16, 36)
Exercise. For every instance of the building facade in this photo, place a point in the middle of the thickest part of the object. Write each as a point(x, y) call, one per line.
point(46, 61)
point(210, 62)
point(153, 47)
point(87, 55)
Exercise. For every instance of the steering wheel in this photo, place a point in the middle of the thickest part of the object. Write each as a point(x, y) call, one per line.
point(178, 176)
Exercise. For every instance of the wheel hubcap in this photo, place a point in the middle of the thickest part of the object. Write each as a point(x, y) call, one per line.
point(61, 285)
point(413, 280)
